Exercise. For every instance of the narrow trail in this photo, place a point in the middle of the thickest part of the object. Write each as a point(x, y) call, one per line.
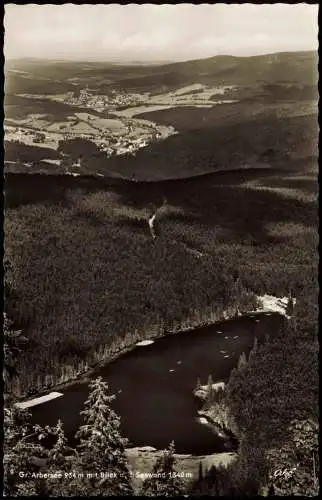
point(156, 217)
point(193, 251)
point(151, 221)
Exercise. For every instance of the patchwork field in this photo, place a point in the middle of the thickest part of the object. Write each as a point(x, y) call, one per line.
point(193, 95)
point(196, 95)
point(101, 131)
point(102, 123)
point(137, 110)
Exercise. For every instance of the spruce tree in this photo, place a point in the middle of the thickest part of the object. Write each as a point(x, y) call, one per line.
point(57, 454)
point(55, 463)
point(164, 480)
point(200, 472)
point(61, 459)
point(13, 340)
point(211, 481)
point(22, 444)
point(290, 306)
point(102, 448)
point(254, 348)
point(210, 383)
point(210, 391)
point(198, 485)
point(242, 362)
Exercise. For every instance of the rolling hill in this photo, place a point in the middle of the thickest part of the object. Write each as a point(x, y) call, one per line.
point(299, 68)
point(294, 67)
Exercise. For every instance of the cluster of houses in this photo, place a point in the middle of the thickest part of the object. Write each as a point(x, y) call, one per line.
point(106, 141)
point(123, 145)
point(101, 102)
point(135, 138)
point(115, 144)
point(18, 134)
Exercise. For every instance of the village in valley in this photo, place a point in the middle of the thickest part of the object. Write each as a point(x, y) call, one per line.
point(113, 135)
point(116, 122)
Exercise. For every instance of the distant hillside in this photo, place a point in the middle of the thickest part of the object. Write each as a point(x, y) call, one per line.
point(299, 68)
point(293, 67)
point(214, 64)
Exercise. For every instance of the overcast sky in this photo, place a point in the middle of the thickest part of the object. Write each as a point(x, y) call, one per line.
point(157, 32)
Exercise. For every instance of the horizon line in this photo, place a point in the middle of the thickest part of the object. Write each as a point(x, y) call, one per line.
point(151, 62)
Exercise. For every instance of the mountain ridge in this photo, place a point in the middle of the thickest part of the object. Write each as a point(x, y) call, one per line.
point(153, 64)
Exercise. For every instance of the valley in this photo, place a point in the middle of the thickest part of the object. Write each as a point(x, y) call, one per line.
point(149, 201)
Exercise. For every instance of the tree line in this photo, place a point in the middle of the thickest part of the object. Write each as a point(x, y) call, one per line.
point(272, 405)
point(83, 287)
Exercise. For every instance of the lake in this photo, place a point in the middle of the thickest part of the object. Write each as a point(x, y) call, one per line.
point(154, 384)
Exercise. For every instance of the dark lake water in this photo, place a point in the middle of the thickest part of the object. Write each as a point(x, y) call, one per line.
point(154, 385)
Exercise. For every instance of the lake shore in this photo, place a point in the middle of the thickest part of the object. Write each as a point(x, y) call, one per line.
point(217, 415)
point(266, 304)
point(190, 324)
point(142, 459)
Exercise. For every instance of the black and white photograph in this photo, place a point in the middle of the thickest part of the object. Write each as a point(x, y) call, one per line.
point(160, 255)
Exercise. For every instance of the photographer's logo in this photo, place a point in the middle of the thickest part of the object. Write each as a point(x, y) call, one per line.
point(283, 473)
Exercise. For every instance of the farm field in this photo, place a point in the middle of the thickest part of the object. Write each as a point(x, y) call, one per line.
point(37, 129)
point(196, 123)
